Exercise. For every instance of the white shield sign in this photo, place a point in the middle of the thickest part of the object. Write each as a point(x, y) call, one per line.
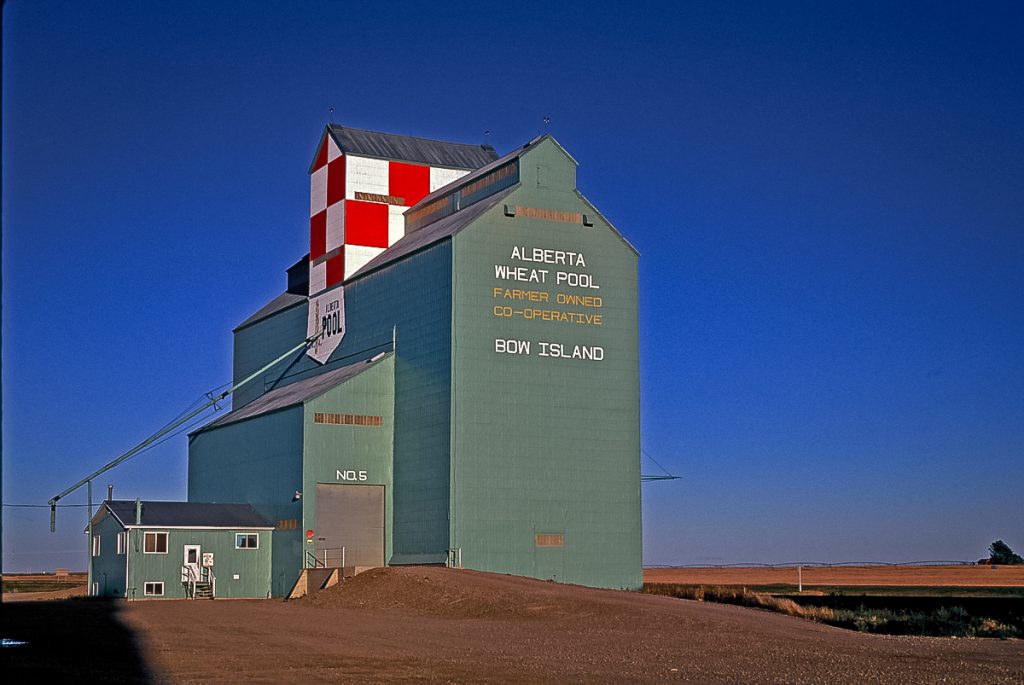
point(326, 315)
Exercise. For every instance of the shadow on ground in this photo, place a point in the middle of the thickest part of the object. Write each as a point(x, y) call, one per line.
point(74, 640)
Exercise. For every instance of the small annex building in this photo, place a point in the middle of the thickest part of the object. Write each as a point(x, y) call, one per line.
point(151, 550)
point(469, 392)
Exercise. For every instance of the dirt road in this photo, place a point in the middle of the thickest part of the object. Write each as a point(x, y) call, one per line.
point(439, 625)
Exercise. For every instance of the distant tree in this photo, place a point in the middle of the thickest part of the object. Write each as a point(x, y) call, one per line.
point(1000, 553)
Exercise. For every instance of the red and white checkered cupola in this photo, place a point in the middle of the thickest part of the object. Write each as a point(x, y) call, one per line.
point(357, 203)
point(326, 217)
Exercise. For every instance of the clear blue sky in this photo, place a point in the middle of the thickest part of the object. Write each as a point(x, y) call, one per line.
point(829, 203)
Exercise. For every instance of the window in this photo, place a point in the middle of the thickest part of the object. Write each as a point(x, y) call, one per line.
point(122, 539)
point(247, 541)
point(153, 589)
point(155, 543)
point(95, 545)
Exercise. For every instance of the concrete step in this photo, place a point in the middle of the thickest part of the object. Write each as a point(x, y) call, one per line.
point(312, 580)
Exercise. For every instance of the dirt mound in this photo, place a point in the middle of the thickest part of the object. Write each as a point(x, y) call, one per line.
point(459, 593)
point(417, 624)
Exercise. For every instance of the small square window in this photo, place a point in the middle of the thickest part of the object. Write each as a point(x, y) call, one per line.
point(155, 543)
point(247, 541)
point(153, 589)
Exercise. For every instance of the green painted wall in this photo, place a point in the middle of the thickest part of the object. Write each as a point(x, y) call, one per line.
point(258, 461)
point(263, 341)
point(108, 568)
point(411, 300)
point(252, 566)
point(413, 297)
point(545, 444)
point(330, 448)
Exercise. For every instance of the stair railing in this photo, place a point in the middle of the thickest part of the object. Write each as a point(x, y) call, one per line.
point(188, 577)
point(326, 558)
point(312, 561)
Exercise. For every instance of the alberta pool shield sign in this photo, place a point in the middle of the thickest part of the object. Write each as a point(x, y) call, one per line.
point(326, 314)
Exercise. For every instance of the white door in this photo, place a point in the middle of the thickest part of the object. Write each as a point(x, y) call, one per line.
point(192, 560)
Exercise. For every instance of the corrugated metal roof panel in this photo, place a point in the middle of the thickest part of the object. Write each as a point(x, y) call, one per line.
point(391, 146)
point(187, 514)
point(469, 178)
point(290, 395)
point(431, 233)
point(282, 301)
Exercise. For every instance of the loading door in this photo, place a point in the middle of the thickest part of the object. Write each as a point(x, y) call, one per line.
point(350, 525)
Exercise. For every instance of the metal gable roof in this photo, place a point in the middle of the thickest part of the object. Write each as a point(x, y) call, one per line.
point(407, 148)
point(453, 223)
point(469, 178)
point(188, 514)
point(292, 394)
point(483, 171)
point(279, 303)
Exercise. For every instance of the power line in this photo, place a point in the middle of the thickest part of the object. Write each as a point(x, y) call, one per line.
point(41, 506)
point(183, 429)
point(668, 474)
point(173, 426)
point(357, 353)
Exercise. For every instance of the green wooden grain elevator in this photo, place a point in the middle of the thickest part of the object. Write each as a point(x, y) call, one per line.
point(472, 394)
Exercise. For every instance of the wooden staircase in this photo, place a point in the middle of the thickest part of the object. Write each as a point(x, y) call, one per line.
point(203, 590)
point(199, 584)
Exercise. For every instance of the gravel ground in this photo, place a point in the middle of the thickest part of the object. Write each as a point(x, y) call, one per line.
point(440, 625)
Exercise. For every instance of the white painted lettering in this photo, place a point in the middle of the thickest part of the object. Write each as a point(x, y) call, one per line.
point(511, 346)
point(576, 280)
point(560, 351)
point(520, 273)
point(548, 256)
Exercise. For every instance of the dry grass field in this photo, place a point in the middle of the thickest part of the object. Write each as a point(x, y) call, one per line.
point(24, 587)
point(49, 579)
point(426, 624)
point(845, 576)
